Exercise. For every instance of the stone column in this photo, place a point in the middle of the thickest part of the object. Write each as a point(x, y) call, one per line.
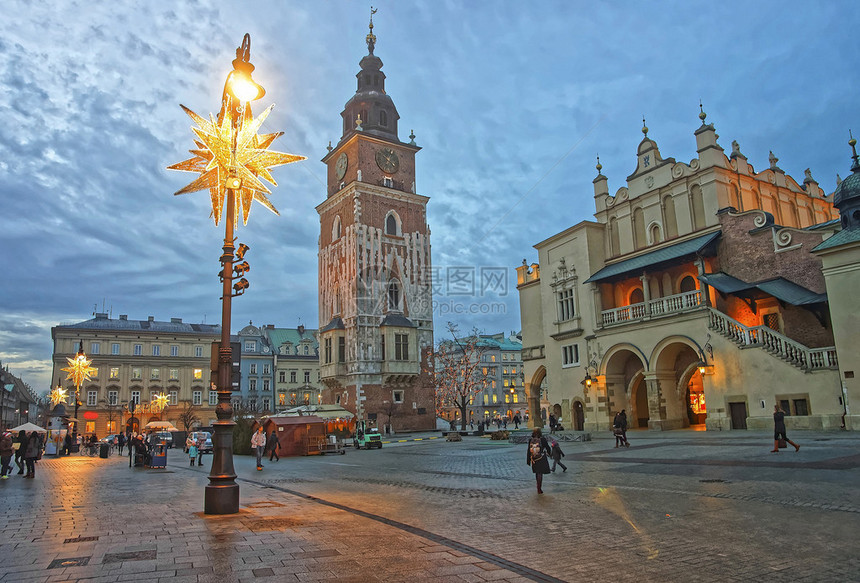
point(646, 293)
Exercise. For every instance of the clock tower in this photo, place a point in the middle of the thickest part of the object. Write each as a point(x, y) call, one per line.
point(375, 292)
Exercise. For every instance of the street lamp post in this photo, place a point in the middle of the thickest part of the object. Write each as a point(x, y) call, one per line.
point(231, 158)
point(79, 370)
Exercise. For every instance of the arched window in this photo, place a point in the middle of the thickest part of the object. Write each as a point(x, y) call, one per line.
point(639, 228)
point(614, 240)
point(697, 207)
point(636, 296)
point(688, 284)
point(654, 231)
point(335, 228)
point(392, 224)
point(383, 118)
point(670, 223)
point(393, 295)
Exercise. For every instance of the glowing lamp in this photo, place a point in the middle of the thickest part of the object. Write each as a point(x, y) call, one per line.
point(588, 380)
point(242, 86)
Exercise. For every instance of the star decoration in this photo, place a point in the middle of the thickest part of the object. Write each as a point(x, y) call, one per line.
point(160, 401)
point(57, 396)
point(215, 159)
point(79, 369)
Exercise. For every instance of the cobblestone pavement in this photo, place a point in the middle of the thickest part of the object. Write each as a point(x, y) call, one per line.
point(676, 506)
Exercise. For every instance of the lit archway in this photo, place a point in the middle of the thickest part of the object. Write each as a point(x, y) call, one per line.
point(675, 366)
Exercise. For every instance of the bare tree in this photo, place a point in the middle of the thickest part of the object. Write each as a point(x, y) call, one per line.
point(188, 415)
point(456, 368)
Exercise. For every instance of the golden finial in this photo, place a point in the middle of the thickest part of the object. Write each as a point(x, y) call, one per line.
point(599, 165)
point(702, 114)
point(358, 122)
point(644, 127)
point(329, 148)
point(855, 167)
point(371, 38)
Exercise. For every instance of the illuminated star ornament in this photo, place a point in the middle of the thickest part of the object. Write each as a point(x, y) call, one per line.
point(57, 396)
point(161, 401)
point(79, 369)
point(214, 159)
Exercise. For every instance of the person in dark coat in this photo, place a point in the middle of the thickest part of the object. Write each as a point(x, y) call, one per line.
point(120, 442)
point(619, 428)
point(6, 452)
point(19, 453)
point(272, 445)
point(67, 443)
point(31, 453)
point(779, 430)
point(536, 456)
point(557, 454)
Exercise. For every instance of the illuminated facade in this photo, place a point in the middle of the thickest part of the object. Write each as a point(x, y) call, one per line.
point(296, 366)
point(375, 299)
point(691, 300)
point(137, 360)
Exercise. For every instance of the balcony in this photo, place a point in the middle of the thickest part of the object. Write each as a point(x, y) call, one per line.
point(656, 308)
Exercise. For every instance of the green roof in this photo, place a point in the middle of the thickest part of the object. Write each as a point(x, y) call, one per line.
point(279, 336)
point(778, 287)
point(656, 258)
point(841, 238)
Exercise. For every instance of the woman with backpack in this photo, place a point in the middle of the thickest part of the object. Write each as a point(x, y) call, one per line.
point(537, 456)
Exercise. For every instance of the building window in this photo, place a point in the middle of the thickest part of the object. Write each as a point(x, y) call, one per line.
point(91, 426)
point(197, 397)
point(113, 398)
point(307, 376)
point(341, 349)
point(252, 404)
point(253, 369)
point(393, 296)
point(570, 355)
point(197, 374)
point(486, 399)
point(516, 398)
point(92, 397)
point(250, 346)
point(267, 385)
point(198, 351)
point(387, 182)
point(267, 369)
point(154, 374)
point(328, 350)
point(307, 349)
point(267, 404)
point(114, 348)
point(213, 397)
point(383, 116)
point(135, 397)
point(138, 349)
point(398, 396)
point(282, 376)
point(137, 373)
point(306, 398)
point(174, 398)
point(174, 350)
point(252, 385)
point(294, 376)
point(565, 305)
point(391, 225)
point(174, 374)
point(110, 427)
point(95, 347)
point(282, 399)
point(156, 350)
point(383, 346)
point(114, 372)
point(495, 398)
point(401, 347)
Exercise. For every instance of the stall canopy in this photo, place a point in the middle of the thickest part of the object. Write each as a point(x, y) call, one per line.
point(338, 421)
point(297, 435)
point(162, 425)
point(29, 427)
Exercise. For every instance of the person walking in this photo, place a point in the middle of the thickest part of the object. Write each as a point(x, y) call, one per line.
point(258, 442)
point(67, 443)
point(19, 451)
point(624, 427)
point(201, 441)
point(6, 452)
point(272, 445)
point(31, 453)
point(120, 442)
point(551, 423)
point(557, 454)
point(536, 457)
point(619, 428)
point(779, 430)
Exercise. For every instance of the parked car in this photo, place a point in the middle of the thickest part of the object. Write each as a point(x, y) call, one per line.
point(207, 444)
point(108, 438)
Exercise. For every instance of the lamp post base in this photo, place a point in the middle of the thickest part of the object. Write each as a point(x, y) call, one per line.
point(221, 499)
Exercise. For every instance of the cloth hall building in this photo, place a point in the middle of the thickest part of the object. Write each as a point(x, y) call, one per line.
point(692, 299)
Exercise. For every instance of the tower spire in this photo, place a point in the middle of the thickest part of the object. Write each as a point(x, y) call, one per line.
point(371, 38)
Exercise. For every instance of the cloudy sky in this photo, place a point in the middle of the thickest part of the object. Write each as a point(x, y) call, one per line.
point(510, 101)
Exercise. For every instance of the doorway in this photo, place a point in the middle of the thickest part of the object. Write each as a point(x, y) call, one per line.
point(578, 416)
point(739, 415)
point(640, 400)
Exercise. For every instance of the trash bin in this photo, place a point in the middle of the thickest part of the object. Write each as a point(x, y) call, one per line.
point(103, 450)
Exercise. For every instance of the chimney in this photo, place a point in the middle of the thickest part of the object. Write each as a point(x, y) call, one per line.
point(151, 318)
point(175, 320)
point(101, 316)
point(123, 316)
point(301, 329)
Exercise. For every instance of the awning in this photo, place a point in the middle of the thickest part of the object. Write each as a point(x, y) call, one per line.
point(778, 287)
point(655, 259)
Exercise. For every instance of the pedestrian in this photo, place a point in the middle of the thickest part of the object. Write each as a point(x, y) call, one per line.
point(201, 441)
point(624, 427)
point(258, 443)
point(192, 452)
point(517, 421)
point(536, 456)
point(557, 454)
point(6, 451)
point(551, 423)
point(21, 441)
point(32, 452)
point(272, 445)
point(67, 443)
point(120, 442)
point(618, 430)
point(779, 430)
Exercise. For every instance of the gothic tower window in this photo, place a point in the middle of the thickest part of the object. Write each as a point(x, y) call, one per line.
point(392, 224)
point(383, 118)
point(393, 295)
point(335, 229)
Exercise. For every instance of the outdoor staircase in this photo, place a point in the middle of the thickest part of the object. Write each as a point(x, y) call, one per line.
point(804, 358)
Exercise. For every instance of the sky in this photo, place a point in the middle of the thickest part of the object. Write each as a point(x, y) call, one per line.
point(510, 101)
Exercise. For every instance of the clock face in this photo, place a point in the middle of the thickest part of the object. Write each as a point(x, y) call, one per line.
point(387, 160)
point(340, 166)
